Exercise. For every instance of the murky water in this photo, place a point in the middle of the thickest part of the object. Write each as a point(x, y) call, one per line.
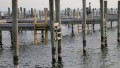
point(40, 56)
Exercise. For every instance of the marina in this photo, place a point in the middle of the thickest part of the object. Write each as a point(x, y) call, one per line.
point(55, 39)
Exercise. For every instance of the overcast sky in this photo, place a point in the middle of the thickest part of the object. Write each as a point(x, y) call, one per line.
point(40, 4)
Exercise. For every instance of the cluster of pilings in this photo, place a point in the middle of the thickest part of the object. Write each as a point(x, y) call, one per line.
point(55, 29)
point(24, 13)
point(55, 26)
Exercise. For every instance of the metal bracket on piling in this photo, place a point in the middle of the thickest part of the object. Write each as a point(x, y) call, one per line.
point(57, 31)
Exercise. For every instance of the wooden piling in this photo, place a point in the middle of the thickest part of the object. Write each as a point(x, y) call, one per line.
point(118, 27)
point(15, 31)
point(105, 23)
point(58, 19)
point(65, 12)
point(40, 14)
point(0, 39)
point(84, 25)
point(24, 12)
point(35, 31)
point(9, 14)
point(78, 16)
point(11, 40)
point(31, 12)
point(53, 42)
point(102, 22)
point(46, 30)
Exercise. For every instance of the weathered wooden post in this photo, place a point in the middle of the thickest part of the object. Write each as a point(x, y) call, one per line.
point(105, 23)
point(78, 16)
point(21, 12)
point(15, 31)
point(93, 11)
point(1, 39)
point(0, 13)
point(65, 12)
point(84, 26)
point(58, 19)
point(111, 10)
point(24, 12)
point(9, 12)
point(118, 27)
point(53, 42)
point(102, 23)
point(93, 25)
point(46, 30)
point(73, 24)
point(31, 12)
point(35, 31)
point(40, 14)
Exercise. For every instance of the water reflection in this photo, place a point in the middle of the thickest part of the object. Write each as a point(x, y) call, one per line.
point(16, 66)
point(85, 60)
point(103, 57)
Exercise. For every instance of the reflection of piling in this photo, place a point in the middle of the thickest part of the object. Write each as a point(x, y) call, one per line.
point(15, 30)
point(111, 24)
point(11, 39)
point(105, 25)
point(102, 23)
point(72, 30)
point(118, 27)
point(0, 39)
point(51, 5)
point(84, 25)
point(42, 35)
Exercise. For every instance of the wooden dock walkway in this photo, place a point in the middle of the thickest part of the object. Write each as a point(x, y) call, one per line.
point(27, 24)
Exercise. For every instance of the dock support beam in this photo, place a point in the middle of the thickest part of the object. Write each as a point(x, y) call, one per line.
point(58, 19)
point(118, 27)
point(105, 24)
point(15, 31)
point(102, 23)
point(1, 39)
point(84, 26)
point(53, 42)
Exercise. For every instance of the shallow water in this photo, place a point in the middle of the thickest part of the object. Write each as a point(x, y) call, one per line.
point(40, 56)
